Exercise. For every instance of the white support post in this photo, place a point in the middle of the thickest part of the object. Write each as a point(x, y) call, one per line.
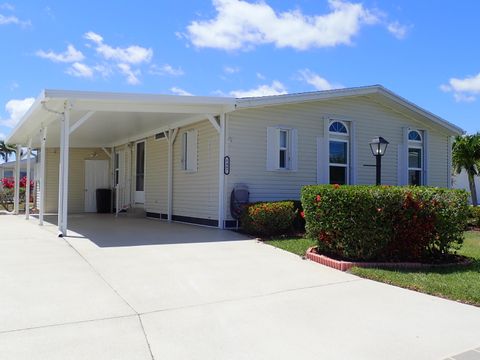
point(42, 175)
point(27, 183)
point(63, 173)
point(172, 134)
point(221, 175)
point(16, 196)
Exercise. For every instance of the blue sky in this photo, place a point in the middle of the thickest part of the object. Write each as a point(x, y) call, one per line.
point(428, 54)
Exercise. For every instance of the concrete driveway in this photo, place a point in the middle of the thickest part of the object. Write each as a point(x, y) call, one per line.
point(131, 288)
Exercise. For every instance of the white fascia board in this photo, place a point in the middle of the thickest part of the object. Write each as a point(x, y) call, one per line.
point(138, 98)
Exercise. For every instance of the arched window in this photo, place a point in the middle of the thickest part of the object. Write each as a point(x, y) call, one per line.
point(414, 135)
point(338, 128)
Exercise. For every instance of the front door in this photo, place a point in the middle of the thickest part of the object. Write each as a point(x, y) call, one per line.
point(96, 177)
point(140, 173)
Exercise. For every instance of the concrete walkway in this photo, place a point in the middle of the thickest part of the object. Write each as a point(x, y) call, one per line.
point(141, 289)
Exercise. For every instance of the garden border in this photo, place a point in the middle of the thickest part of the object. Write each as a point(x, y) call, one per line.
point(341, 265)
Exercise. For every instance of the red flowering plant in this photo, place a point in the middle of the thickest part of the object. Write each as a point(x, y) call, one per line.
point(7, 191)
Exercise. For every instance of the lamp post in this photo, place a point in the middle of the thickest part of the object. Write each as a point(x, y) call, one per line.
point(378, 145)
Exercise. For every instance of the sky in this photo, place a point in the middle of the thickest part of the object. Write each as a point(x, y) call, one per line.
point(426, 51)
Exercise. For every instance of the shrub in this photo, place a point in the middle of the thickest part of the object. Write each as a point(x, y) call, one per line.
point(386, 223)
point(268, 218)
point(474, 216)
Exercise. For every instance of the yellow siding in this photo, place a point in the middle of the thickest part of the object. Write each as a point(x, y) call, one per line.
point(196, 194)
point(156, 176)
point(76, 177)
point(247, 145)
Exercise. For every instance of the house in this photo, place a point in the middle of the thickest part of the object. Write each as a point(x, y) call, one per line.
point(179, 157)
point(7, 170)
point(460, 181)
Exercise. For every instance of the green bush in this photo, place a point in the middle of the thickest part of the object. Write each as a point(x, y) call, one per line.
point(268, 218)
point(474, 216)
point(385, 223)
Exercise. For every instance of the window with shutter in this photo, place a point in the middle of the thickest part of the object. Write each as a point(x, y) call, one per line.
point(281, 149)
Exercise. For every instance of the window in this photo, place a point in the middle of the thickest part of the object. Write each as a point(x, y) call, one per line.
point(339, 162)
point(415, 158)
point(140, 168)
point(283, 145)
point(160, 136)
point(8, 174)
point(339, 152)
point(414, 135)
point(281, 149)
point(338, 127)
point(189, 150)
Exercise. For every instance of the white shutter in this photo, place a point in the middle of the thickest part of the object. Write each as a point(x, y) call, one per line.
point(294, 150)
point(403, 158)
point(192, 150)
point(272, 148)
point(322, 166)
point(426, 180)
point(353, 153)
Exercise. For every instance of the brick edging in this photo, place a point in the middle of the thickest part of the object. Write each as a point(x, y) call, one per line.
point(311, 254)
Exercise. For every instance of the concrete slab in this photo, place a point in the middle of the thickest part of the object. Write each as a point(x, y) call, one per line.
point(356, 320)
point(44, 281)
point(119, 339)
point(203, 293)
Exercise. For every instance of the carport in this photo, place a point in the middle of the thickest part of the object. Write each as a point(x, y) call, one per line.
point(65, 119)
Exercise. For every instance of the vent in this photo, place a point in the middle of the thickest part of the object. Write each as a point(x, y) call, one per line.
point(160, 136)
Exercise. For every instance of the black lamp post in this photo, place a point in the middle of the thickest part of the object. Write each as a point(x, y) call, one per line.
point(378, 145)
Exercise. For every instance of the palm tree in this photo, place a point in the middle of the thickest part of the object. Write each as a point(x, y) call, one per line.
point(466, 155)
point(6, 150)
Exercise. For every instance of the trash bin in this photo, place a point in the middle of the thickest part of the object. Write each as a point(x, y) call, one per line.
point(104, 200)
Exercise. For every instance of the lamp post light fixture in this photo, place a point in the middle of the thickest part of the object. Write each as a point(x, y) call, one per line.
point(378, 145)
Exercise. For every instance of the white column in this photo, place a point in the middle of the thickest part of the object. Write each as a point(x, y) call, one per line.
point(172, 134)
point(43, 157)
point(16, 198)
point(63, 171)
point(221, 175)
point(27, 183)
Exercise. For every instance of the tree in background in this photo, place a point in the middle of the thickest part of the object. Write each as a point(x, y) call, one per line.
point(466, 155)
point(6, 150)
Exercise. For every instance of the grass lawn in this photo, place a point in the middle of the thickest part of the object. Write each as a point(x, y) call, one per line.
point(456, 283)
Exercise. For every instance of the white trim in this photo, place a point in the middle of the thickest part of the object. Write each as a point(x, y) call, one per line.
point(16, 198)
point(353, 153)
point(135, 202)
point(43, 157)
point(214, 122)
point(63, 173)
point(172, 135)
point(27, 183)
point(221, 175)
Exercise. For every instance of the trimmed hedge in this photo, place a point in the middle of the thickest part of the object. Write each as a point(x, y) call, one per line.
point(385, 223)
point(474, 216)
point(269, 218)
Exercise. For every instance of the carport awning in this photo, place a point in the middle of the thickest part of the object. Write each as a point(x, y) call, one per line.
point(108, 119)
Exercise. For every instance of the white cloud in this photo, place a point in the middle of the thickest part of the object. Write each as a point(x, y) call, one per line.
point(318, 82)
point(398, 30)
point(275, 88)
point(179, 91)
point(3, 136)
point(16, 108)
point(166, 69)
point(68, 56)
point(464, 90)
point(231, 69)
point(130, 74)
point(11, 19)
point(132, 54)
point(261, 76)
point(80, 70)
point(243, 25)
